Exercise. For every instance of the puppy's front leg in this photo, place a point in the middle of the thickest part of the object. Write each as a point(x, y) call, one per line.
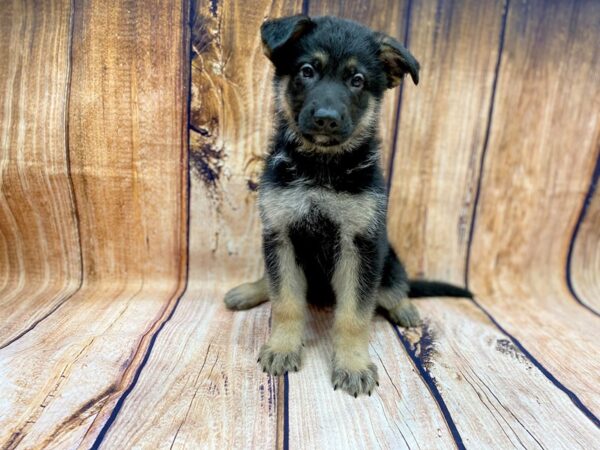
point(287, 289)
point(354, 285)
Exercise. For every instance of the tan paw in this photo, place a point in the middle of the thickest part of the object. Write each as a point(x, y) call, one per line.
point(405, 314)
point(279, 362)
point(246, 296)
point(355, 381)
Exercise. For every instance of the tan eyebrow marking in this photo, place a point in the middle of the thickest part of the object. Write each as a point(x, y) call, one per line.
point(351, 63)
point(322, 57)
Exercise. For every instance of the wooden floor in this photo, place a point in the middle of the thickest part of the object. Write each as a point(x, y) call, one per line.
point(114, 259)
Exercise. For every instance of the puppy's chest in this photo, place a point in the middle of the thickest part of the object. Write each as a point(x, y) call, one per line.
point(309, 207)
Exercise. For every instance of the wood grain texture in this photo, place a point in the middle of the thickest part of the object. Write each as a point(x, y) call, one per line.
point(39, 249)
point(542, 151)
point(441, 134)
point(62, 380)
point(584, 264)
point(201, 387)
point(127, 145)
point(99, 347)
point(495, 395)
point(126, 135)
point(389, 17)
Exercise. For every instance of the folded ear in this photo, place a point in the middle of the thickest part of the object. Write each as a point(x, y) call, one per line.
point(397, 60)
point(277, 33)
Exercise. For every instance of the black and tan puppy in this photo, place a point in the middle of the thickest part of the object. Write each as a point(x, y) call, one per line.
point(323, 199)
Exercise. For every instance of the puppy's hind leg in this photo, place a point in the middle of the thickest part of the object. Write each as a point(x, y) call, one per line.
point(398, 307)
point(247, 295)
point(392, 295)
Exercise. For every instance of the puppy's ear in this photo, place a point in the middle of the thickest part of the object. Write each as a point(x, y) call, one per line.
point(397, 60)
point(277, 33)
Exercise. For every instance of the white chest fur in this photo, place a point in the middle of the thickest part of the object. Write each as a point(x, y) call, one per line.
point(353, 213)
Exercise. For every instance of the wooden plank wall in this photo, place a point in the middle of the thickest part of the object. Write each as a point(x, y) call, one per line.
point(531, 197)
point(39, 242)
point(93, 198)
point(110, 336)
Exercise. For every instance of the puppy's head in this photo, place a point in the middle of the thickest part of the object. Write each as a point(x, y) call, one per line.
point(330, 76)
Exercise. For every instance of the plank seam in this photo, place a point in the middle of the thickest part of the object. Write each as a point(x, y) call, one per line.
point(188, 18)
point(486, 140)
point(398, 105)
point(584, 208)
point(286, 412)
point(68, 144)
point(437, 396)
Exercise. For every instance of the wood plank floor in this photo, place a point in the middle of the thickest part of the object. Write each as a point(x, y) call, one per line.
point(113, 333)
point(457, 381)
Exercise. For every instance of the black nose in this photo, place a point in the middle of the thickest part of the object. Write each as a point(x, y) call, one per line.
point(326, 119)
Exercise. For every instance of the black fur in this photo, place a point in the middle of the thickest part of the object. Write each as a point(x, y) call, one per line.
point(394, 273)
point(316, 244)
point(425, 288)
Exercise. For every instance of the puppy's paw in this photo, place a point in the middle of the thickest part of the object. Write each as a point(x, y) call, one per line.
point(246, 296)
point(405, 314)
point(279, 362)
point(355, 381)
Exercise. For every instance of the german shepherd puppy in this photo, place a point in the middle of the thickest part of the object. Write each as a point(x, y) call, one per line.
point(322, 196)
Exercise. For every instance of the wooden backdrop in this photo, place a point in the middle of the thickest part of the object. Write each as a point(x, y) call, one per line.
point(114, 258)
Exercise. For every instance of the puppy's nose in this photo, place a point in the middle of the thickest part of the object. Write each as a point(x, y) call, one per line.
point(326, 119)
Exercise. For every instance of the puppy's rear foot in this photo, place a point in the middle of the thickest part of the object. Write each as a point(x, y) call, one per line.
point(405, 314)
point(247, 295)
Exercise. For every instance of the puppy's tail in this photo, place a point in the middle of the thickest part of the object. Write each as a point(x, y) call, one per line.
point(424, 288)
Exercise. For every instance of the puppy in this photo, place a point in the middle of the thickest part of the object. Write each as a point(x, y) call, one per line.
point(322, 196)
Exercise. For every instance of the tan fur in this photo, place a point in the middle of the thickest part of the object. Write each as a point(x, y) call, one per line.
point(322, 57)
point(247, 295)
point(282, 105)
point(399, 307)
point(391, 298)
point(354, 213)
point(351, 340)
point(353, 369)
point(389, 56)
point(282, 352)
point(266, 50)
point(289, 304)
point(351, 63)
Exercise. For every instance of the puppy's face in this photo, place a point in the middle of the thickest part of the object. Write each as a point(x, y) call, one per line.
point(330, 75)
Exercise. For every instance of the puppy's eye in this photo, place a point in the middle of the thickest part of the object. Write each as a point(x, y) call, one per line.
point(307, 71)
point(357, 80)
